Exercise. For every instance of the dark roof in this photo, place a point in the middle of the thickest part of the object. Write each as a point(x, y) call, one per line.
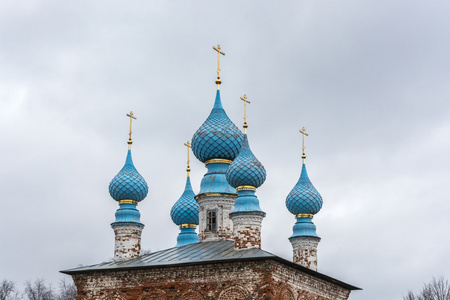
point(199, 253)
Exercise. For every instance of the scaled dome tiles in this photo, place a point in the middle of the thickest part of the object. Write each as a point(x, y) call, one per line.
point(218, 137)
point(128, 184)
point(246, 169)
point(304, 198)
point(185, 210)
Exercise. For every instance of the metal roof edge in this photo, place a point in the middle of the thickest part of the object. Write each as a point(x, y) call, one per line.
point(272, 257)
point(316, 274)
point(261, 255)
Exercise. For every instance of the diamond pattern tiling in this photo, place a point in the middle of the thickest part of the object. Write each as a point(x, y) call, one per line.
point(246, 169)
point(185, 210)
point(128, 183)
point(304, 198)
point(218, 137)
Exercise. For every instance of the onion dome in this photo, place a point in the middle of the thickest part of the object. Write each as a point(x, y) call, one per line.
point(218, 137)
point(246, 169)
point(304, 198)
point(185, 210)
point(128, 184)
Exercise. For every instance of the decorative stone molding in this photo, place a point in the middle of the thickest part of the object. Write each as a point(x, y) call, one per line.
point(192, 295)
point(234, 292)
point(286, 294)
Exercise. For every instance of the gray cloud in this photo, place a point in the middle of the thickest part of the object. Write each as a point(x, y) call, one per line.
point(369, 81)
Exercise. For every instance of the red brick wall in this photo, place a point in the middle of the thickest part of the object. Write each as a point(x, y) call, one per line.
point(223, 281)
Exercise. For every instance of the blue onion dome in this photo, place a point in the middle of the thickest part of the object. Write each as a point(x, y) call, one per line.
point(218, 137)
point(246, 169)
point(185, 210)
point(304, 198)
point(128, 184)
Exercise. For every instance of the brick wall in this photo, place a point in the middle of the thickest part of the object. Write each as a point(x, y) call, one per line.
point(305, 251)
point(242, 280)
point(247, 231)
point(223, 206)
point(127, 241)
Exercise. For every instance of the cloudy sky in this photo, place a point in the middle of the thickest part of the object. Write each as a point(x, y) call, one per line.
point(368, 79)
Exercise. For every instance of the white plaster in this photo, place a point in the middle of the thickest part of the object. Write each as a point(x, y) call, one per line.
point(127, 242)
point(223, 206)
point(305, 251)
point(247, 230)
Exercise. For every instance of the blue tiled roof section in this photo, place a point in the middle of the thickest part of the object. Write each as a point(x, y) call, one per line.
point(128, 183)
point(218, 137)
point(304, 227)
point(185, 210)
point(246, 168)
point(304, 198)
point(187, 236)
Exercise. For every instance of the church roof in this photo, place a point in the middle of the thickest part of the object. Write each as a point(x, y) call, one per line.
point(200, 253)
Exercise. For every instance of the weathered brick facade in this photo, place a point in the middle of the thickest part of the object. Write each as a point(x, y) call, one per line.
point(127, 241)
point(247, 230)
point(222, 205)
point(234, 280)
point(305, 251)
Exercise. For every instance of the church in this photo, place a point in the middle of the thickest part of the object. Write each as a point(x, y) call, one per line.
point(224, 260)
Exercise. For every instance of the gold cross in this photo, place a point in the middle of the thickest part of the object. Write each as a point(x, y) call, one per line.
point(303, 132)
point(131, 123)
point(245, 112)
point(218, 81)
point(188, 145)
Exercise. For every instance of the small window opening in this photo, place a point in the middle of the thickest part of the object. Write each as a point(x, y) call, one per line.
point(211, 223)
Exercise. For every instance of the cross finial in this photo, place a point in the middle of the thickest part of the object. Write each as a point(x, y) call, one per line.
point(245, 112)
point(218, 81)
point(188, 145)
point(131, 123)
point(303, 132)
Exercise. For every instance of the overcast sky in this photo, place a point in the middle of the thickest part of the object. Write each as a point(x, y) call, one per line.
point(369, 80)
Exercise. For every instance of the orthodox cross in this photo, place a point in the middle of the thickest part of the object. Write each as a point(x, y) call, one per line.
point(245, 112)
point(303, 132)
point(131, 123)
point(218, 81)
point(188, 145)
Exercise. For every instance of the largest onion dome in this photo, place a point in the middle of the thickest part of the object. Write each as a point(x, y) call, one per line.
point(218, 137)
point(304, 198)
point(128, 184)
point(185, 210)
point(246, 169)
